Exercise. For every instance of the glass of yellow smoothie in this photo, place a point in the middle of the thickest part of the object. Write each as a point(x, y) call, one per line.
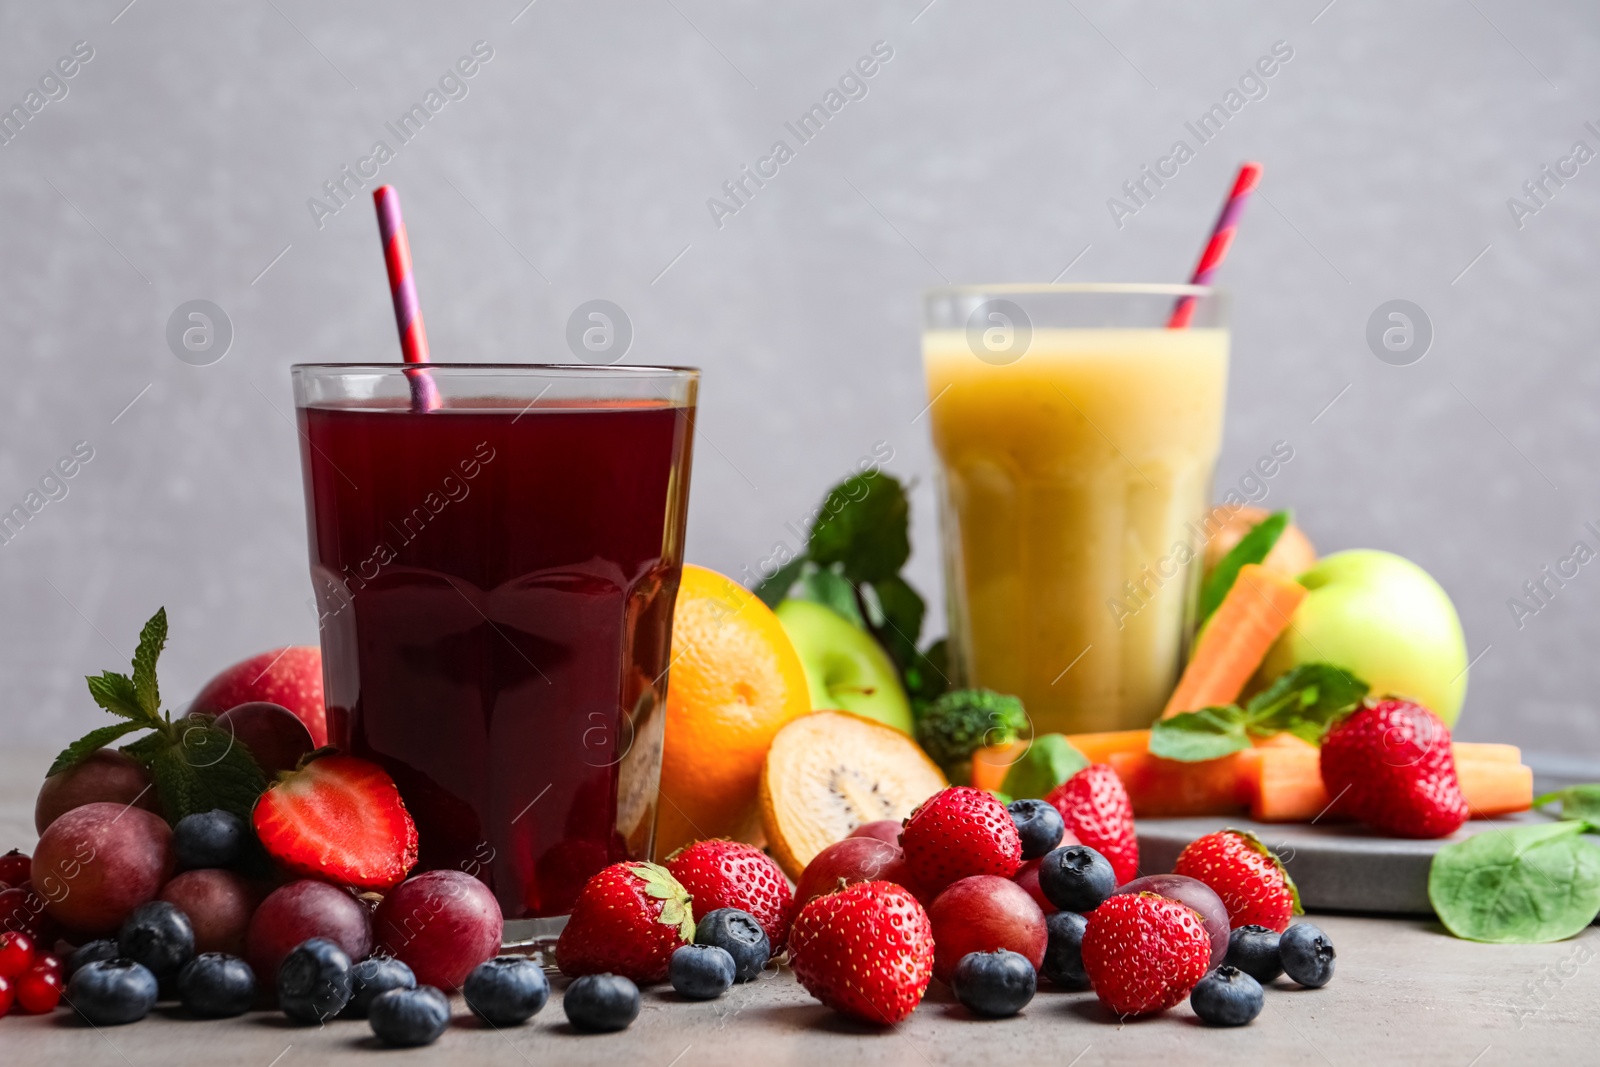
point(1076, 435)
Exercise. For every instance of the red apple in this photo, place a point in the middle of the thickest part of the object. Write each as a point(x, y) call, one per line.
point(289, 676)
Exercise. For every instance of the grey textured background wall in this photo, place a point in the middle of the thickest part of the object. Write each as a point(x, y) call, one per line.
point(578, 165)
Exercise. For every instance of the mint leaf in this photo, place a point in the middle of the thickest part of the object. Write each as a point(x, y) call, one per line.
point(865, 526)
point(1304, 702)
point(1578, 802)
point(152, 639)
point(1253, 547)
point(204, 768)
point(117, 694)
point(89, 743)
point(1050, 760)
point(772, 589)
point(832, 589)
point(1522, 886)
point(1194, 736)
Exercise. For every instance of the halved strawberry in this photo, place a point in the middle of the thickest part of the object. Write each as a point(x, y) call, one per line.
point(339, 819)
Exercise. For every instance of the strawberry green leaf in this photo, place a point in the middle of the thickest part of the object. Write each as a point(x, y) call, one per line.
point(90, 743)
point(152, 639)
point(117, 694)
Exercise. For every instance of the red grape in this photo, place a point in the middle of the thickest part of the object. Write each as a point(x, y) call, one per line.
point(16, 954)
point(22, 910)
point(1027, 877)
point(301, 910)
point(98, 862)
point(219, 905)
point(855, 859)
point(884, 830)
point(983, 913)
point(105, 776)
point(274, 735)
point(39, 991)
point(441, 924)
point(15, 867)
point(1197, 895)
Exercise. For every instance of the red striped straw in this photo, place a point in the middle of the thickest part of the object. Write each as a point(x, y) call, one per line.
point(1221, 240)
point(403, 288)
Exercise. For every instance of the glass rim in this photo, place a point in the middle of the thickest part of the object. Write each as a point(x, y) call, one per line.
point(1101, 288)
point(566, 370)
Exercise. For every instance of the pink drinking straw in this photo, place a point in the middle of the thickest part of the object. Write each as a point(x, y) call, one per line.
point(403, 288)
point(1221, 240)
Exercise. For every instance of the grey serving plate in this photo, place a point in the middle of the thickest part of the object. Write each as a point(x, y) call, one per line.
point(1337, 866)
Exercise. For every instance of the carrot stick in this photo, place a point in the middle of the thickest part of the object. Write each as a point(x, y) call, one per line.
point(1100, 747)
point(1289, 788)
point(1236, 638)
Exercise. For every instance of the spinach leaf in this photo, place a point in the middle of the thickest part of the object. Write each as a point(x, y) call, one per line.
point(1252, 548)
point(1581, 802)
point(1525, 885)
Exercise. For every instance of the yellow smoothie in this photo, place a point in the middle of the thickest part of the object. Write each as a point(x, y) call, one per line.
point(1073, 485)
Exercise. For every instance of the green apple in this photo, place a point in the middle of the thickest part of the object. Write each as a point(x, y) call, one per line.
point(1384, 619)
point(846, 668)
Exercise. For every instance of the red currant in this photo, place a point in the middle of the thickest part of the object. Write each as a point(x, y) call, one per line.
point(39, 991)
point(15, 867)
point(16, 954)
point(49, 961)
point(5, 995)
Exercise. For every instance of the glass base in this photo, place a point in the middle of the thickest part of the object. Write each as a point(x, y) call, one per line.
point(535, 938)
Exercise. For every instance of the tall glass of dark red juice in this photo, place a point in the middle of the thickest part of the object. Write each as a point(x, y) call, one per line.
point(495, 580)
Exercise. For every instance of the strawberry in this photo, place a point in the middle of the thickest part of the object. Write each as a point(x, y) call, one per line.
point(338, 819)
point(728, 874)
point(1098, 813)
point(1241, 870)
point(956, 833)
point(628, 920)
point(866, 951)
point(1144, 952)
point(1390, 765)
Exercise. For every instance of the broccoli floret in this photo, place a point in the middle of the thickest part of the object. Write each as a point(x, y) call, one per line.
point(959, 723)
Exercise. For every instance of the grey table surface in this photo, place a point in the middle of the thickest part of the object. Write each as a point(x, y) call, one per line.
point(1405, 992)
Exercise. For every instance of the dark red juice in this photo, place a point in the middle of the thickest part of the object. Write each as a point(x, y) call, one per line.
point(496, 587)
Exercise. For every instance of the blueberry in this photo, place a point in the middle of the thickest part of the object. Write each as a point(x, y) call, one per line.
point(738, 933)
point(112, 992)
point(601, 1003)
point(217, 985)
point(1076, 878)
point(1254, 950)
point(409, 1017)
point(1307, 955)
point(314, 981)
point(92, 952)
point(507, 990)
point(1063, 955)
point(1038, 824)
point(373, 977)
point(994, 984)
point(208, 839)
point(701, 972)
point(159, 936)
point(1227, 997)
